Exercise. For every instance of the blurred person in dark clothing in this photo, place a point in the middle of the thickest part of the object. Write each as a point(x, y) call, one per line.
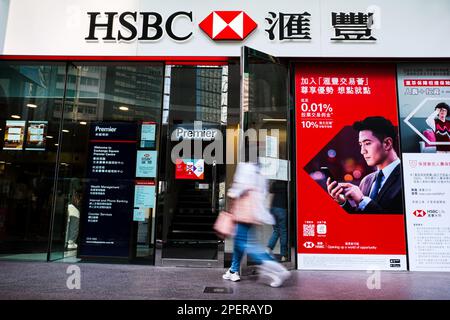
point(279, 211)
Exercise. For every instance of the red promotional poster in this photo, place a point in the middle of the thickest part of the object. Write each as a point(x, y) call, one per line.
point(192, 169)
point(349, 184)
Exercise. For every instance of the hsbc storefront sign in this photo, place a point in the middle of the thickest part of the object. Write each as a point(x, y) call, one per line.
point(219, 25)
point(284, 28)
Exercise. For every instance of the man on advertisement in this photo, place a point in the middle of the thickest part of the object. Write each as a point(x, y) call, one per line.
point(380, 191)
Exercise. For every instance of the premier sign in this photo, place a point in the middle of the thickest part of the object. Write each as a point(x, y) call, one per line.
point(195, 134)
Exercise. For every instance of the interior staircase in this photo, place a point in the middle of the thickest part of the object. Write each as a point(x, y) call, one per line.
point(192, 224)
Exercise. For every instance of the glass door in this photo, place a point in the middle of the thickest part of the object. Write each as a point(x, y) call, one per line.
point(265, 111)
point(192, 173)
point(59, 213)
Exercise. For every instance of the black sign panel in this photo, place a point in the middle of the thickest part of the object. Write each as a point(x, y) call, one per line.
point(108, 206)
point(109, 212)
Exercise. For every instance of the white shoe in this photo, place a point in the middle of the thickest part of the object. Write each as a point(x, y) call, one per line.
point(72, 245)
point(270, 278)
point(275, 272)
point(233, 276)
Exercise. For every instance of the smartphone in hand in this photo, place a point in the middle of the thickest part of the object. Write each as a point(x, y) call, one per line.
point(326, 171)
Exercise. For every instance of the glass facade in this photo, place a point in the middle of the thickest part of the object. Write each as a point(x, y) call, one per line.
point(30, 125)
point(53, 172)
point(89, 166)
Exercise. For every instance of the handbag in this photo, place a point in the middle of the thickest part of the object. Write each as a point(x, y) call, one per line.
point(224, 225)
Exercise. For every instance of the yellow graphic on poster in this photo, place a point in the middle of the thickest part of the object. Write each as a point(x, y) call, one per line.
point(14, 135)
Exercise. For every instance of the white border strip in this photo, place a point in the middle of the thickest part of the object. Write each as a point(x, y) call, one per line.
point(351, 262)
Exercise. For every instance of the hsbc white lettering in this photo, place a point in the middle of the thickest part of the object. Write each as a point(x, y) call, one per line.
point(202, 134)
point(151, 22)
point(103, 129)
point(219, 25)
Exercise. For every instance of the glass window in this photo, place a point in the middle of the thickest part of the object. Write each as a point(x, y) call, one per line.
point(78, 159)
point(30, 114)
point(108, 163)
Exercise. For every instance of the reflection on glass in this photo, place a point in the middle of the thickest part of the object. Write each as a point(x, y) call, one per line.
point(102, 100)
point(189, 206)
point(267, 99)
point(34, 117)
point(27, 161)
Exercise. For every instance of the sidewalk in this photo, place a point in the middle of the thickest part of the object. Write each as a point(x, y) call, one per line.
point(41, 280)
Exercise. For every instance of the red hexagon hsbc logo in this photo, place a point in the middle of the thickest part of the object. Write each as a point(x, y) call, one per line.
point(419, 213)
point(308, 245)
point(228, 25)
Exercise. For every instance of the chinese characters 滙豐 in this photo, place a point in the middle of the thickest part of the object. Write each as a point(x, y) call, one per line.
point(349, 26)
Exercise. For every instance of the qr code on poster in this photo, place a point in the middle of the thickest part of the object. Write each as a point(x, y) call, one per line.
point(308, 230)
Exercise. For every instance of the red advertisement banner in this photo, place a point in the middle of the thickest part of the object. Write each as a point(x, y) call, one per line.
point(191, 169)
point(330, 98)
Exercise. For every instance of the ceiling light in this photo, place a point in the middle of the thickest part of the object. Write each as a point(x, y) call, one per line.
point(275, 120)
point(83, 123)
point(15, 116)
point(65, 130)
point(49, 137)
point(31, 105)
point(123, 108)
